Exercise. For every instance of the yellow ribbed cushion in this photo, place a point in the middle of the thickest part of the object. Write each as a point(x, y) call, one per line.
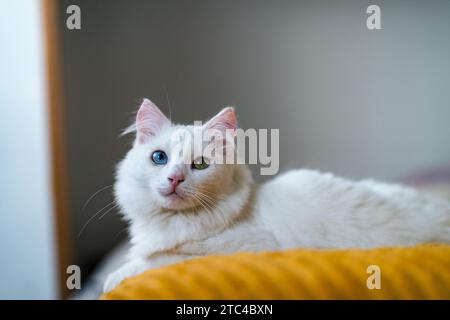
point(420, 272)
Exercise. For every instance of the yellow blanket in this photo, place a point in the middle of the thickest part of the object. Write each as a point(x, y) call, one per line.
point(420, 272)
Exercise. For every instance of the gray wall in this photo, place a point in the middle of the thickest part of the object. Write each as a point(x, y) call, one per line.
point(346, 99)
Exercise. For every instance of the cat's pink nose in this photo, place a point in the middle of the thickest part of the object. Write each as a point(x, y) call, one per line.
point(175, 180)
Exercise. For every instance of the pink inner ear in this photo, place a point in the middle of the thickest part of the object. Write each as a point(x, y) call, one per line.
point(149, 120)
point(225, 119)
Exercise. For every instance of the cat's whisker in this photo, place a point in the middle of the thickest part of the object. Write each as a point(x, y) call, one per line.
point(93, 217)
point(212, 196)
point(208, 208)
point(190, 192)
point(197, 191)
point(212, 205)
point(107, 211)
point(204, 192)
point(95, 194)
point(217, 207)
point(207, 192)
point(168, 102)
point(204, 205)
point(207, 200)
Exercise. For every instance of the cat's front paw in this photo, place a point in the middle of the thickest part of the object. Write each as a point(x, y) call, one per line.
point(113, 280)
point(129, 269)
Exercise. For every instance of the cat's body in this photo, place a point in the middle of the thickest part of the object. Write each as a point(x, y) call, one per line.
point(301, 208)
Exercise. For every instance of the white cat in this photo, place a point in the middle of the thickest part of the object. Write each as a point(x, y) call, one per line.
point(179, 211)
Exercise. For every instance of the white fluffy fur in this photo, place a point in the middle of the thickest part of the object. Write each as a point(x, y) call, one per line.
point(300, 208)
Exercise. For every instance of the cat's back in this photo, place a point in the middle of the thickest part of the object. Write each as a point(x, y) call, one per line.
point(303, 185)
point(311, 208)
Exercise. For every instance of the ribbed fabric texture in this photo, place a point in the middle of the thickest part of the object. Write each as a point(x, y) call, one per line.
point(420, 272)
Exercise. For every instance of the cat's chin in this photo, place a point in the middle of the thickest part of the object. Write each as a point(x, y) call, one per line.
point(175, 201)
point(180, 206)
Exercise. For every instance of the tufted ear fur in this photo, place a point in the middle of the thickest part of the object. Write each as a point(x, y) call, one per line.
point(224, 120)
point(149, 121)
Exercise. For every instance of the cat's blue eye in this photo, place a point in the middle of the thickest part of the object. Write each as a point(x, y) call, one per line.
point(159, 157)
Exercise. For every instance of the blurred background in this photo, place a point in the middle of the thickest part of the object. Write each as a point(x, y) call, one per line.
point(354, 101)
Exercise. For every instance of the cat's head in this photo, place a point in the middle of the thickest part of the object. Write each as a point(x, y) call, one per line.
point(157, 174)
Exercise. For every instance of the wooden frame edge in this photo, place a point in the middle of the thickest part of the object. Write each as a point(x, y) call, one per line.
point(55, 100)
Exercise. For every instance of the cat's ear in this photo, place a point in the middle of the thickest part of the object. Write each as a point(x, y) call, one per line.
point(224, 120)
point(149, 121)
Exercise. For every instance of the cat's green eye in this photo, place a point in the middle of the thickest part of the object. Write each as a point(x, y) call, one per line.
point(200, 165)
